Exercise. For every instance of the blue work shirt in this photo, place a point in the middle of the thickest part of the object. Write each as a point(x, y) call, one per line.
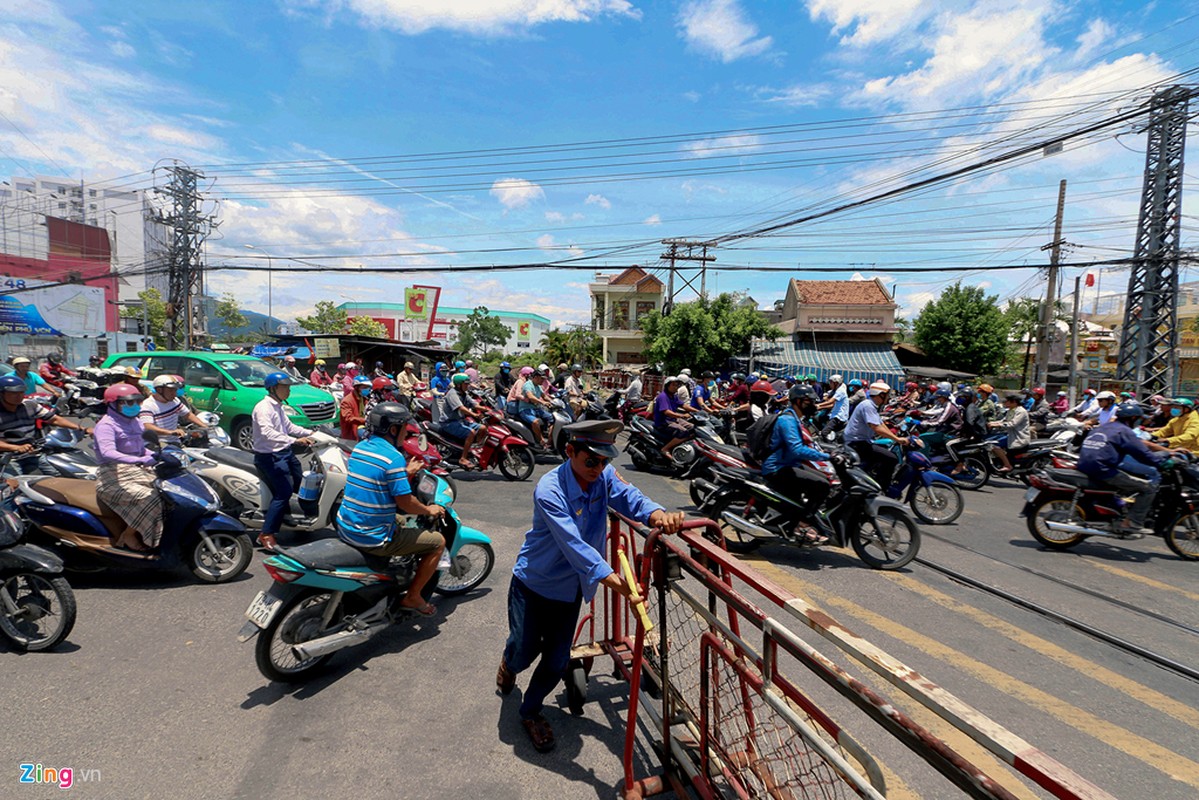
point(563, 553)
point(377, 476)
point(439, 384)
point(787, 448)
point(701, 392)
point(1106, 446)
point(861, 421)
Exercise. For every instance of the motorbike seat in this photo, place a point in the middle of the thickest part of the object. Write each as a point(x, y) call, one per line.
point(233, 457)
point(728, 449)
point(642, 425)
point(80, 494)
point(1069, 477)
point(334, 553)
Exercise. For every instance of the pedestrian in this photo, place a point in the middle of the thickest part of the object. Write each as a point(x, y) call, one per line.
point(562, 563)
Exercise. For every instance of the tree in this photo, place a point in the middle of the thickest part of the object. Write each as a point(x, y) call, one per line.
point(155, 313)
point(703, 334)
point(903, 330)
point(481, 331)
point(1023, 317)
point(555, 348)
point(228, 311)
point(327, 319)
point(576, 346)
point(964, 329)
point(366, 326)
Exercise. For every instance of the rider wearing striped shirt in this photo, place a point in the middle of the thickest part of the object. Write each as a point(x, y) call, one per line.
point(162, 411)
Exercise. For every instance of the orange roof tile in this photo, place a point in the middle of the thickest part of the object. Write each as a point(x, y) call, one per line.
point(852, 293)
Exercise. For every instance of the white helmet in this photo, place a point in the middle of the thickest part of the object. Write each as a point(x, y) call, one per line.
point(686, 371)
point(836, 378)
point(1105, 396)
point(877, 388)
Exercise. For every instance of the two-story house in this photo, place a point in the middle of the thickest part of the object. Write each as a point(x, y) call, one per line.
point(844, 327)
point(618, 302)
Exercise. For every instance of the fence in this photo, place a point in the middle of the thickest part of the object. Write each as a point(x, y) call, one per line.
point(707, 679)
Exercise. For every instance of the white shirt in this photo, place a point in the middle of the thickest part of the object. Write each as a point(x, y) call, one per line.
point(840, 410)
point(633, 394)
point(273, 431)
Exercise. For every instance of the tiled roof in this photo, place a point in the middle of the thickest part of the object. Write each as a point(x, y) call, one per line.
point(629, 277)
point(853, 293)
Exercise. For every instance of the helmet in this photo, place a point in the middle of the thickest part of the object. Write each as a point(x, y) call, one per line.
point(797, 393)
point(544, 367)
point(542, 371)
point(1125, 395)
point(461, 377)
point(469, 363)
point(526, 372)
point(810, 377)
point(752, 377)
point(384, 416)
point(278, 379)
point(1061, 394)
point(836, 378)
point(986, 387)
point(163, 381)
point(737, 376)
point(383, 384)
point(459, 365)
point(1090, 392)
point(939, 393)
point(360, 380)
point(576, 367)
point(1038, 392)
point(1105, 396)
point(11, 383)
point(320, 362)
point(290, 359)
point(505, 365)
point(911, 386)
point(762, 386)
point(932, 387)
point(965, 398)
point(54, 358)
point(439, 366)
point(117, 391)
point(878, 387)
point(855, 383)
point(561, 366)
point(1185, 402)
point(409, 365)
point(127, 372)
point(1129, 411)
point(378, 364)
point(21, 360)
point(707, 374)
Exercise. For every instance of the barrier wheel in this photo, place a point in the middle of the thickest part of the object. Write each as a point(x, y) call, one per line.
point(576, 686)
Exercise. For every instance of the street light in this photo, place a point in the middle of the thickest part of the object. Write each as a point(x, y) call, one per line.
point(270, 304)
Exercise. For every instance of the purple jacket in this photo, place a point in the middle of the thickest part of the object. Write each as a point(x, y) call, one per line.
point(119, 439)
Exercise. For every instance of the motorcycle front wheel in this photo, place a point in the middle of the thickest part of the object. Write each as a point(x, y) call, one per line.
point(36, 611)
point(1055, 509)
point(222, 563)
point(937, 503)
point(1183, 537)
point(299, 622)
point(468, 568)
point(517, 463)
point(889, 540)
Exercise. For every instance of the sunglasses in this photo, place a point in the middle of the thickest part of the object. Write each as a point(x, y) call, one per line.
point(592, 461)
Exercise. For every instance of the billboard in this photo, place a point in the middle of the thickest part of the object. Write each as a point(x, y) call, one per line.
point(416, 304)
point(53, 310)
point(522, 331)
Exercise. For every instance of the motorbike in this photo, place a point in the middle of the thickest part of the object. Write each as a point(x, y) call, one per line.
point(246, 497)
point(65, 515)
point(1064, 507)
point(327, 596)
point(645, 449)
point(592, 410)
point(500, 447)
point(933, 496)
point(37, 605)
point(880, 530)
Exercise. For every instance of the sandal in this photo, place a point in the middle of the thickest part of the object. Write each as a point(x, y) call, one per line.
point(267, 542)
point(427, 610)
point(505, 679)
point(540, 733)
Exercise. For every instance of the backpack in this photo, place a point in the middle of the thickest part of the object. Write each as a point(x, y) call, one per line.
point(757, 438)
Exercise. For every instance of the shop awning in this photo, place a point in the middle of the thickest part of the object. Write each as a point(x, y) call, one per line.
point(867, 361)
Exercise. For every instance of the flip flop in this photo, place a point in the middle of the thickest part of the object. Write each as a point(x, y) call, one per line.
point(427, 610)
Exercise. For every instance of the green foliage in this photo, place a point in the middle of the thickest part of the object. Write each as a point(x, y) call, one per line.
point(156, 314)
point(903, 330)
point(576, 346)
point(482, 332)
point(328, 318)
point(964, 329)
point(228, 311)
point(366, 326)
point(703, 334)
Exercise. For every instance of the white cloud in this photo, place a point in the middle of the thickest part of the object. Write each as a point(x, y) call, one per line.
point(545, 242)
point(122, 49)
point(1094, 37)
point(598, 200)
point(797, 95)
point(723, 146)
point(516, 192)
point(555, 216)
point(693, 96)
point(872, 21)
point(719, 28)
point(480, 17)
point(562, 308)
point(653, 219)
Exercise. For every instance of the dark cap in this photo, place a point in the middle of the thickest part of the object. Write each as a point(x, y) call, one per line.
point(598, 436)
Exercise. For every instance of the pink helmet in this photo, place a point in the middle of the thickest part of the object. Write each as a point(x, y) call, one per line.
point(526, 372)
point(118, 390)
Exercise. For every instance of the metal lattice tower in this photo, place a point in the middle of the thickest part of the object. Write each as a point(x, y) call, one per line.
point(186, 324)
point(1148, 346)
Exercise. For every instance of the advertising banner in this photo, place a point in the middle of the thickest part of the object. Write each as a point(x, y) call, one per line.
point(55, 310)
point(416, 303)
point(326, 348)
point(522, 330)
point(432, 300)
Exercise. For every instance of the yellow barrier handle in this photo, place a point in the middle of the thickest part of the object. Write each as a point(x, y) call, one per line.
point(639, 606)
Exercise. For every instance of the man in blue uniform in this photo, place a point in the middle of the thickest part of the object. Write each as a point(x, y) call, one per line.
point(1100, 457)
point(562, 563)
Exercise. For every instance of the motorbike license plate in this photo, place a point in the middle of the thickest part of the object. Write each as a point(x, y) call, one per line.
point(1031, 494)
point(263, 609)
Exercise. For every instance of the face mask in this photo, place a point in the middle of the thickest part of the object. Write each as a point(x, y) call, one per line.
point(365, 391)
point(131, 411)
point(1175, 412)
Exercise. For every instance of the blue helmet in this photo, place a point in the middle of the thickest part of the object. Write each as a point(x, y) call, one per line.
point(11, 383)
point(459, 365)
point(505, 365)
point(278, 379)
point(857, 382)
point(439, 366)
point(361, 379)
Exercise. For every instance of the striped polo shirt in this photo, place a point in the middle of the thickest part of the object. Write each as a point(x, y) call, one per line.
point(377, 475)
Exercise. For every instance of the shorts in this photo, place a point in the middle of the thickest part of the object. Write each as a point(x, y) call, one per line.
point(408, 542)
point(529, 415)
point(671, 431)
point(456, 429)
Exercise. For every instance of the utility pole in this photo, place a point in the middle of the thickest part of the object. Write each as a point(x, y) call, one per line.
point(690, 251)
point(1148, 344)
point(185, 266)
point(1071, 388)
point(1047, 308)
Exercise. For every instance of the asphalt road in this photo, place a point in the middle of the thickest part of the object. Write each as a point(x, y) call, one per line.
point(154, 693)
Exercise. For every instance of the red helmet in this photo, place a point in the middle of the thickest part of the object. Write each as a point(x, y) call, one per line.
point(763, 386)
point(118, 390)
point(1038, 392)
point(382, 384)
point(911, 386)
point(932, 387)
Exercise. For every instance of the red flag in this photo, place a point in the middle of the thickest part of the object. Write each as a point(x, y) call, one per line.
point(1090, 279)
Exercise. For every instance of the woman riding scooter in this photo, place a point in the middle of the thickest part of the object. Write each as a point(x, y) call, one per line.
point(125, 480)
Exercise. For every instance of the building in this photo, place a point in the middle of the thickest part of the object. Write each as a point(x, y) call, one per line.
point(404, 326)
point(135, 239)
point(829, 327)
point(618, 303)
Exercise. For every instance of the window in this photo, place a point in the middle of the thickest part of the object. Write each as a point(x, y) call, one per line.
point(247, 371)
point(195, 370)
point(644, 307)
point(159, 365)
point(91, 193)
point(130, 361)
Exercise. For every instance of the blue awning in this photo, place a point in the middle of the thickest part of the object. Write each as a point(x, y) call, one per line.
point(867, 361)
point(265, 351)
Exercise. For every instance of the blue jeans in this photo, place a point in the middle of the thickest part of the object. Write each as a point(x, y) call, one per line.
point(539, 626)
point(282, 474)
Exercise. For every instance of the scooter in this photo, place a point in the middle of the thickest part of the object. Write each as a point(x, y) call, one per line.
point(66, 516)
point(645, 449)
point(37, 605)
point(933, 497)
point(1064, 507)
point(500, 447)
point(879, 529)
point(245, 496)
point(328, 596)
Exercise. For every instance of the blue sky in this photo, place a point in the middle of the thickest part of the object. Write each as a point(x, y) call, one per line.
point(311, 117)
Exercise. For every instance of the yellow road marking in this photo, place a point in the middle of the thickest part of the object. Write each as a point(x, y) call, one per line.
point(1153, 699)
point(1132, 576)
point(935, 724)
point(1166, 761)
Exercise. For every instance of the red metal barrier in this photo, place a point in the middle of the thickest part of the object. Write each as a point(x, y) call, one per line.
point(729, 723)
